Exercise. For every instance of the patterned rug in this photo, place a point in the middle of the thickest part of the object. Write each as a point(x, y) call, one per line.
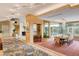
point(15, 47)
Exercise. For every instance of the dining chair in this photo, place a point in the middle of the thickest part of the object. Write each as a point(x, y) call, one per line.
point(57, 41)
point(51, 39)
point(70, 39)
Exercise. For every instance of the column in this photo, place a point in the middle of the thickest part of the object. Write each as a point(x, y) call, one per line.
point(31, 33)
point(42, 29)
point(22, 24)
point(49, 29)
point(64, 27)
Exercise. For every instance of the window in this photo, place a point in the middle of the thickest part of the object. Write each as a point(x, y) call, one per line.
point(74, 28)
point(56, 29)
point(46, 29)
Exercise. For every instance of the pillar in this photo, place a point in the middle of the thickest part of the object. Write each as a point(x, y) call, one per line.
point(49, 29)
point(42, 29)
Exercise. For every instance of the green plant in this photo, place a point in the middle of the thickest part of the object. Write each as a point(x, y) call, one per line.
point(45, 35)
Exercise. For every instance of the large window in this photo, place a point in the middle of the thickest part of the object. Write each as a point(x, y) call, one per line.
point(74, 28)
point(52, 29)
point(60, 28)
point(46, 29)
point(56, 28)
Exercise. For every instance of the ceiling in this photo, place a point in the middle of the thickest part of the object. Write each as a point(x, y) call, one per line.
point(8, 10)
point(66, 13)
point(47, 11)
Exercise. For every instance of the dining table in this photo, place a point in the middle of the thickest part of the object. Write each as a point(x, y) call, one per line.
point(61, 40)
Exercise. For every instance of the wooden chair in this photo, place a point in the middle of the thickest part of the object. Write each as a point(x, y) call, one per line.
point(57, 41)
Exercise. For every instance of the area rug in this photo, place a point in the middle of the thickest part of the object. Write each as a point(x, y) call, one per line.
point(69, 50)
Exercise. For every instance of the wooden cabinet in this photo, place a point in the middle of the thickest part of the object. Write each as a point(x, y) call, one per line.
point(37, 38)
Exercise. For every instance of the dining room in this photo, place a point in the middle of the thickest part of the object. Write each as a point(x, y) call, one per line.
point(61, 31)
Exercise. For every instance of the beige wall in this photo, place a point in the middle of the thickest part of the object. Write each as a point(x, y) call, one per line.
point(31, 19)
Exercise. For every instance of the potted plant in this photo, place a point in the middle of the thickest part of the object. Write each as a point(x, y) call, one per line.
point(45, 35)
